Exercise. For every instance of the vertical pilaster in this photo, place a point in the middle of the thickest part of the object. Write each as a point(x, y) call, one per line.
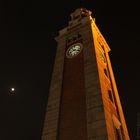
point(50, 129)
point(96, 125)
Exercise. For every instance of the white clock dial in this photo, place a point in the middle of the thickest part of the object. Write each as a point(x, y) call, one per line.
point(74, 50)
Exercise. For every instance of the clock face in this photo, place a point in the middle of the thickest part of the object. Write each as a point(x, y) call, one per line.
point(74, 50)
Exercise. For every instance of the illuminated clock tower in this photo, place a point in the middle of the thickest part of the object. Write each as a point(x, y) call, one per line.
point(83, 103)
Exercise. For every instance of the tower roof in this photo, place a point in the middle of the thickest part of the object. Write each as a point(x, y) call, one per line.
point(80, 12)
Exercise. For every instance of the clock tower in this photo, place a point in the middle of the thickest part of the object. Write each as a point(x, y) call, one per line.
point(83, 102)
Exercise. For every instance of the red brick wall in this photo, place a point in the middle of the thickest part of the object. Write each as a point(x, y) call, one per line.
point(72, 123)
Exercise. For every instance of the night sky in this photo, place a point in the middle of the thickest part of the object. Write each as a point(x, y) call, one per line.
point(27, 52)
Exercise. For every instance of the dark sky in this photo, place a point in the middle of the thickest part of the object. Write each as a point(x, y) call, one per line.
point(27, 50)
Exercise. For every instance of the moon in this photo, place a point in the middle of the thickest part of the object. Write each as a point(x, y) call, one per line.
point(12, 89)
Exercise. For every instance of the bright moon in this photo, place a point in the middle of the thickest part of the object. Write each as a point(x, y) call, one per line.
point(12, 89)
